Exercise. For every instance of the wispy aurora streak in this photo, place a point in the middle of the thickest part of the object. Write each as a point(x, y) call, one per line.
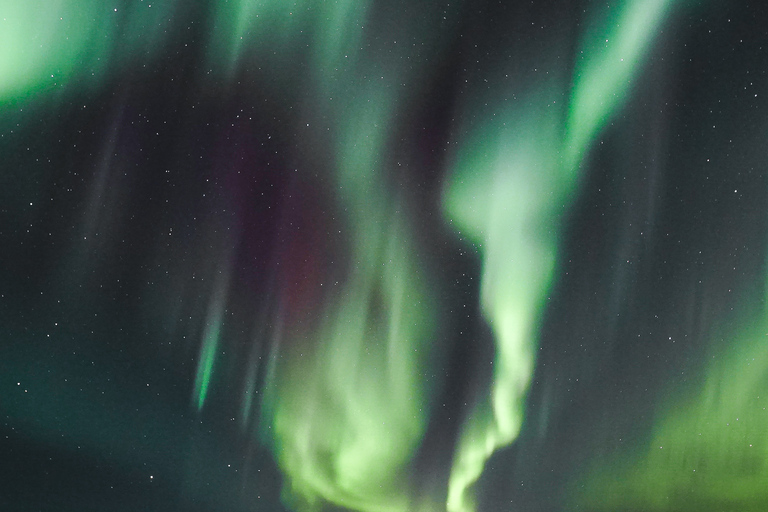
point(508, 192)
point(610, 56)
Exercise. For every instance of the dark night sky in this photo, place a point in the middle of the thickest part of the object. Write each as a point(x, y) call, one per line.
point(383, 256)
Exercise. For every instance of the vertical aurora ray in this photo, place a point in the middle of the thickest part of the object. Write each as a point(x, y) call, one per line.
point(208, 350)
point(611, 53)
point(242, 26)
point(209, 346)
point(511, 185)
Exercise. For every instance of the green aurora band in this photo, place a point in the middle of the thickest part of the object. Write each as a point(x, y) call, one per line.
point(708, 448)
point(509, 190)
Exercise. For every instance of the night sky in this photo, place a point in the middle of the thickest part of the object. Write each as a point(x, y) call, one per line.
point(383, 256)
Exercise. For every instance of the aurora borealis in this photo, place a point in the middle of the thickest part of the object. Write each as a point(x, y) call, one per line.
point(373, 256)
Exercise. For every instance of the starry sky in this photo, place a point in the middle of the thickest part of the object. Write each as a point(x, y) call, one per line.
point(383, 256)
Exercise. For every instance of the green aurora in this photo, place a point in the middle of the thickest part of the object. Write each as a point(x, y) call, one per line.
point(344, 409)
point(509, 191)
point(708, 447)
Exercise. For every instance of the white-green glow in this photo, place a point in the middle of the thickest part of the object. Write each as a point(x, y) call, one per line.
point(510, 187)
point(348, 405)
point(500, 198)
point(45, 45)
